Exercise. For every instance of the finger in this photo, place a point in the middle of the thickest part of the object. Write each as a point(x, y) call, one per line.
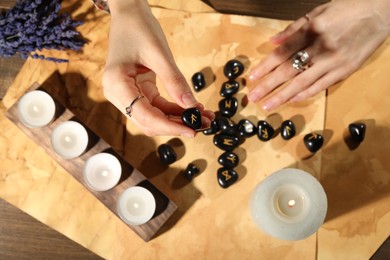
point(123, 90)
point(168, 108)
point(300, 83)
point(316, 11)
point(163, 64)
point(280, 75)
point(296, 25)
point(321, 84)
point(209, 114)
point(283, 52)
point(150, 118)
point(289, 30)
point(206, 122)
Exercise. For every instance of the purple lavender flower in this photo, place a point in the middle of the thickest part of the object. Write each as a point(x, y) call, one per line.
point(34, 25)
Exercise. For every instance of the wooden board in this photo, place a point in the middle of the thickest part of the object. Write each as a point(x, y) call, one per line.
point(130, 175)
point(277, 9)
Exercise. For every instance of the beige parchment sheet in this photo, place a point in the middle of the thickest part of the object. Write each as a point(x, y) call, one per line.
point(211, 223)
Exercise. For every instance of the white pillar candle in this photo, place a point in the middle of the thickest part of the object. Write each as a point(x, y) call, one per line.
point(69, 139)
point(290, 204)
point(102, 171)
point(136, 205)
point(36, 109)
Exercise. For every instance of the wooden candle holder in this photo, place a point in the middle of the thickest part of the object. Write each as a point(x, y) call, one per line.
point(130, 176)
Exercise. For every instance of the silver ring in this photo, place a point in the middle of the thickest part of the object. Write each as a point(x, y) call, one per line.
point(129, 109)
point(300, 60)
point(307, 17)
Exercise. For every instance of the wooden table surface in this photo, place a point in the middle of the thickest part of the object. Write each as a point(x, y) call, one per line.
point(18, 230)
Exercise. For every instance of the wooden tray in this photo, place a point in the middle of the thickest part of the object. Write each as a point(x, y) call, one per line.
point(130, 176)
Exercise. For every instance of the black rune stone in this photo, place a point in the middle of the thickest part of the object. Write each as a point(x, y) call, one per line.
point(226, 177)
point(228, 160)
point(233, 69)
point(166, 153)
point(191, 171)
point(192, 118)
point(246, 128)
point(313, 142)
point(287, 130)
point(227, 126)
point(214, 128)
point(228, 106)
point(225, 142)
point(264, 131)
point(357, 131)
point(229, 88)
point(198, 81)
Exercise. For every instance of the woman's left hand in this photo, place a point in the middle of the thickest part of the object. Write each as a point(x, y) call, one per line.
point(338, 36)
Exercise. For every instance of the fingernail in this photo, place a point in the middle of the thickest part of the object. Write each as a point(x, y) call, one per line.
point(188, 135)
point(253, 97)
point(189, 99)
point(269, 105)
point(206, 122)
point(200, 106)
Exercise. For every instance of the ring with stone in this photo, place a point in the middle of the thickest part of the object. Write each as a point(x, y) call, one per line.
point(129, 109)
point(300, 61)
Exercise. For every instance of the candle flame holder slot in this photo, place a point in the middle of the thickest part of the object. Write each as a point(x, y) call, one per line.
point(129, 175)
point(290, 204)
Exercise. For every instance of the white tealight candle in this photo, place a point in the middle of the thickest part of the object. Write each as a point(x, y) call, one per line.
point(69, 139)
point(136, 205)
point(290, 204)
point(102, 171)
point(36, 109)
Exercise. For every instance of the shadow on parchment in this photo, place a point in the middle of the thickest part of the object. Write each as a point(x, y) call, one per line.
point(138, 151)
point(352, 177)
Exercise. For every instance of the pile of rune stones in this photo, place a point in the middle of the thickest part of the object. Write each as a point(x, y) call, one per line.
point(228, 135)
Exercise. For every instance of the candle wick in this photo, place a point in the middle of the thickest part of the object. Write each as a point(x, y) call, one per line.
point(291, 203)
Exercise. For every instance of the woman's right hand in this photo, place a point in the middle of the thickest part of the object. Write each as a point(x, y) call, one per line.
point(138, 53)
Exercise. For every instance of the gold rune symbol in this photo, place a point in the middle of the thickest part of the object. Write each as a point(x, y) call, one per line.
point(193, 118)
point(228, 142)
point(288, 129)
point(313, 136)
point(236, 70)
point(231, 158)
point(228, 85)
point(226, 174)
point(265, 133)
point(228, 103)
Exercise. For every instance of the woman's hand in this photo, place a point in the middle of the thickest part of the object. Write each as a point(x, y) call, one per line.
point(138, 52)
point(338, 36)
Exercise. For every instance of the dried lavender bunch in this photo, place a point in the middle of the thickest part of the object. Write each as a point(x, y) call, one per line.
point(34, 25)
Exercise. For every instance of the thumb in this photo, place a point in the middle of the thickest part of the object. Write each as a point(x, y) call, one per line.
point(174, 82)
point(177, 87)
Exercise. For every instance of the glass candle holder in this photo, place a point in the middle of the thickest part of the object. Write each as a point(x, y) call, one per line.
point(102, 171)
point(69, 139)
point(36, 109)
point(290, 204)
point(136, 205)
